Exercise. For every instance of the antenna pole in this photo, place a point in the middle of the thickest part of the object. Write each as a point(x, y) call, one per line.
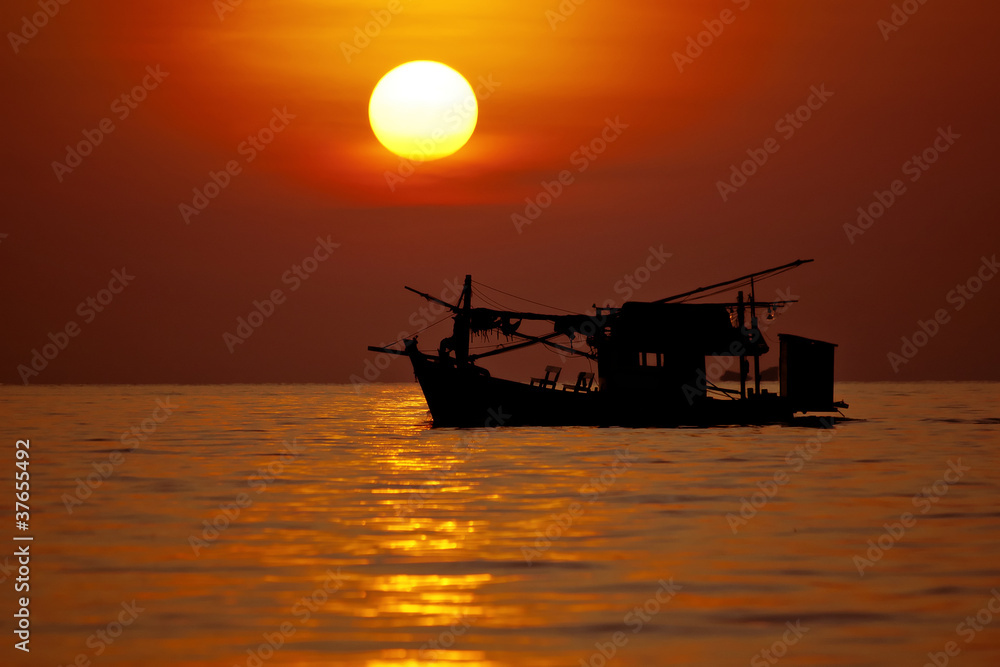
point(743, 356)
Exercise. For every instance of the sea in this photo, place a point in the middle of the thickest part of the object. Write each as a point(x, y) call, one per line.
point(251, 525)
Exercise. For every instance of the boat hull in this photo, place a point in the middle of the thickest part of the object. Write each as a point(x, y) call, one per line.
point(469, 397)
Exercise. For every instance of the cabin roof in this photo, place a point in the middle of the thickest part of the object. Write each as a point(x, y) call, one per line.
point(792, 338)
point(653, 326)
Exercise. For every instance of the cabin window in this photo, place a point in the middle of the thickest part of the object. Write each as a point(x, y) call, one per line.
point(652, 359)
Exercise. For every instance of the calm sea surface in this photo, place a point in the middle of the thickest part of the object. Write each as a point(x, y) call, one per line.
point(313, 525)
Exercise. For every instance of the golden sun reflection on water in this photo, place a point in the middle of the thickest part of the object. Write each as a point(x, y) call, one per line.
point(456, 548)
point(397, 658)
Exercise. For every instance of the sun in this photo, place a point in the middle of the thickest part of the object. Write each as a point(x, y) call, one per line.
point(423, 110)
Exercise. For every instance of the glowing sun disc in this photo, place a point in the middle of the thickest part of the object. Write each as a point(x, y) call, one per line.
point(423, 110)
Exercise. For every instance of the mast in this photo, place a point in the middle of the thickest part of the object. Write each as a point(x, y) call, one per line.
point(743, 357)
point(461, 332)
point(756, 348)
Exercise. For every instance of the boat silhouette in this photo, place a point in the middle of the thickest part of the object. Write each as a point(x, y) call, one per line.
point(650, 358)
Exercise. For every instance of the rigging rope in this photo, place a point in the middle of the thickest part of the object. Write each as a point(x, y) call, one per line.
point(446, 317)
point(490, 302)
point(527, 300)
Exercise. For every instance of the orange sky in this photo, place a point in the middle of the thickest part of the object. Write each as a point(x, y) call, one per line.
point(555, 84)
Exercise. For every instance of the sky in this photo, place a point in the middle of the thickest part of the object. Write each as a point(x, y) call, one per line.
point(723, 137)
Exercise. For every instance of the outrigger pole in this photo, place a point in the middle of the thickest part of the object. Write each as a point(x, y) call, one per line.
point(790, 265)
point(463, 311)
point(434, 299)
point(513, 313)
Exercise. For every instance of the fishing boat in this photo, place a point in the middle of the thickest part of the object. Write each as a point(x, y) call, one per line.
point(650, 360)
